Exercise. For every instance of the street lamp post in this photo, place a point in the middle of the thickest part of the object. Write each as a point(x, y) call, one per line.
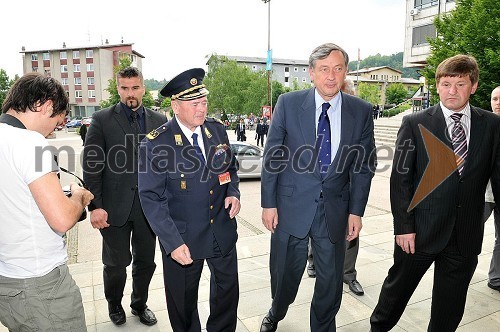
point(269, 56)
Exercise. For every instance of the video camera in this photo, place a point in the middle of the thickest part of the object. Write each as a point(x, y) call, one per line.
point(67, 191)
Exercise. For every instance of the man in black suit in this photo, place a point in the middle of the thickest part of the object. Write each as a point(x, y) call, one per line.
point(317, 172)
point(240, 131)
point(260, 132)
point(110, 171)
point(189, 190)
point(444, 158)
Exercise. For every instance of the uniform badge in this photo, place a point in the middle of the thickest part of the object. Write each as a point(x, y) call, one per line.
point(183, 185)
point(224, 178)
point(220, 149)
point(153, 134)
point(208, 133)
point(178, 140)
point(193, 81)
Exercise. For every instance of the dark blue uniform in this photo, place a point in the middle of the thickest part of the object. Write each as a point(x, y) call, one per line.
point(183, 200)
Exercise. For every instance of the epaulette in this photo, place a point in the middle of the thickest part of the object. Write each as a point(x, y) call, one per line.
point(215, 120)
point(156, 132)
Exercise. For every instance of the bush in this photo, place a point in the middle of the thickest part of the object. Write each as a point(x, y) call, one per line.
point(396, 110)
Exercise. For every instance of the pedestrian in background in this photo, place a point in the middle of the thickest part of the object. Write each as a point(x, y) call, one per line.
point(324, 202)
point(445, 226)
point(83, 132)
point(110, 171)
point(260, 132)
point(189, 191)
point(240, 131)
point(37, 292)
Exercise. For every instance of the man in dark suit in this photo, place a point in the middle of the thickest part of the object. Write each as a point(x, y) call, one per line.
point(240, 131)
point(260, 131)
point(110, 171)
point(317, 184)
point(444, 158)
point(189, 190)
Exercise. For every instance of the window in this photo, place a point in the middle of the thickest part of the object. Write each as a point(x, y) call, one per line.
point(420, 34)
point(303, 80)
point(295, 69)
point(64, 81)
point(425, 3)
point(76, 68)
point(78, 81)
point(254, 67)
point(34, 57)
point(76, 54)
point(63, 55)
point(91, 93)
point(287, 69)
point(64, 68)
point(286, 79)
point(46, 56)
point(34, 69)
point(78, 93)
point(89, 53)
point(304, 70)
point(90, 80)
point(90, 67)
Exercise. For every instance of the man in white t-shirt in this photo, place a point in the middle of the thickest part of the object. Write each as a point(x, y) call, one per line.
point(36, 290)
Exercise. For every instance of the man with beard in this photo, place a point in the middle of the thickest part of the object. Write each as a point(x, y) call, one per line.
point(110, 171)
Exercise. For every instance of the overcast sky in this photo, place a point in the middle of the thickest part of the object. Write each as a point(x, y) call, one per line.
point(175, 35)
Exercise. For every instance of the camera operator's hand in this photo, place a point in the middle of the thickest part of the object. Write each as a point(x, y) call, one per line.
point(85, 195)
point(99, 218)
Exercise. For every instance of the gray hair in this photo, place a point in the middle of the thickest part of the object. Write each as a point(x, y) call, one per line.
point(348, 86)
point(323, 51)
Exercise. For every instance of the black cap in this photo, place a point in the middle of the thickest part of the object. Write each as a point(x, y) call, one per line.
point(186, 86)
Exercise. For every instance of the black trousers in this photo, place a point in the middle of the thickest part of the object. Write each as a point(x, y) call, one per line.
point(181, 289)
point(287, 263)
point(261, 139)
point(116, 256)
point(452, 275)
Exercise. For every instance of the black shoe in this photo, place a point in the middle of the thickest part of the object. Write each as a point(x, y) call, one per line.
point(311, 271)
point(497, 288)
point(146, 316)
point(117, 314)
point(268, 325)
point(355, 287)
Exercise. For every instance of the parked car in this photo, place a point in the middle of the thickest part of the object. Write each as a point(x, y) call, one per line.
point(87, 121)
point(248, 159)
point(74, 124)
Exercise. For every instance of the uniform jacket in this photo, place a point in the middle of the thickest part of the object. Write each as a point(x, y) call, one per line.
point(110, 161)
point(182, 199)
point(296, 188)
point(458, 202)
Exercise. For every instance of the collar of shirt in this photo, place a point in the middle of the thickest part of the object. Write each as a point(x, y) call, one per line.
point(188, 133)
point(464, 120)
point(128, 112)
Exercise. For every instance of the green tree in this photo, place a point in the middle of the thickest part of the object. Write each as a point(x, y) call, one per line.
point(5, 84)
point(395, 93)
point(369, 92)
point(112, 88)
point(394, 61)
point(473, 28)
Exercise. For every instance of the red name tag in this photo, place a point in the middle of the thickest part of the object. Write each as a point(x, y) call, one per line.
point(224, 178)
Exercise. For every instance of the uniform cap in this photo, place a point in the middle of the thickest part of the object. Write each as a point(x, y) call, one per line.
point(186, 86)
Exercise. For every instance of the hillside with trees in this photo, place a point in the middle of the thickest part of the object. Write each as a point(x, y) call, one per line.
point(394, 61)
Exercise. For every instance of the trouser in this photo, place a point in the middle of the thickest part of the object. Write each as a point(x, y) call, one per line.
point(116, 256)
point(287, 262)
point(494, 273)
point(181, 289)
point(452, 275)
point(49, 303)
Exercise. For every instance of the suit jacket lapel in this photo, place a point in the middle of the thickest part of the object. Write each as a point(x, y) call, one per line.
point(307, 123)
point(122, 120)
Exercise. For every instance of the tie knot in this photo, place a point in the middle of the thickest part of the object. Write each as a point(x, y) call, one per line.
point(194, 137)
point(456, 117)
point(325, 107)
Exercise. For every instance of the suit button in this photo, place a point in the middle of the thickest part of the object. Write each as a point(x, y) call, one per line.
point(211, 207)
point(211, 221)
point(459, 206)
point(211, 192)
point(182, 175)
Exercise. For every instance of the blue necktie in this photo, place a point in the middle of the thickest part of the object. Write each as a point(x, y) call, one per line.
point(197, 148)
point(323, 141)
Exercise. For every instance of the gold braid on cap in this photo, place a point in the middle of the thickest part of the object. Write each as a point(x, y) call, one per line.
point(188, 90)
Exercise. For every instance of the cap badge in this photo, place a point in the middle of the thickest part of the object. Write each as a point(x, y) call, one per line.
point(193, 81)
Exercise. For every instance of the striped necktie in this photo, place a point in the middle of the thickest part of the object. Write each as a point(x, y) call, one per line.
point(459, 141)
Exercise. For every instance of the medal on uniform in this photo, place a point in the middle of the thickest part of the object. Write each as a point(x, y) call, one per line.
point(183, 185)
point(178, 140)
point(224, 178)
point(220, 149)
point(209, 135)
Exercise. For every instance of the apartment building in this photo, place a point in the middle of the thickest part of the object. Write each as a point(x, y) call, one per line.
point(285, 71)
point(420, 15)
point(83, 71)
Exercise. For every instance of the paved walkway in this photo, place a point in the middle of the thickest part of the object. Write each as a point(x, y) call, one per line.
point(482, 312)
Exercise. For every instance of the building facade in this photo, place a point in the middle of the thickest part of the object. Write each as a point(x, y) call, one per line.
point(83, 71)
point(420, 15)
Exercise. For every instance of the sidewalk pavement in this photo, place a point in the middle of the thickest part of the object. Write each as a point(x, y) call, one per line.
point(482, 312)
